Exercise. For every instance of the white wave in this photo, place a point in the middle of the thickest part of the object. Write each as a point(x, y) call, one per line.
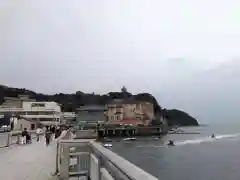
point(196, 141)
point(207, 139)
point(227, 136)
point(148, 146)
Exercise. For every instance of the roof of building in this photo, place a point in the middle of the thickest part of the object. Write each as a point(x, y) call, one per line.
point(27, 119)
point(125, 101)
point(91, 108)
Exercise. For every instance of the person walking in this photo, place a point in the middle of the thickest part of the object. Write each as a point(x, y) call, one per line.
point(27, 136)
point(24, 135)
point(57, 132)
point(48, 135)
point(38, 132)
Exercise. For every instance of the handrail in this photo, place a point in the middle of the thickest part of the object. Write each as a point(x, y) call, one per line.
point(108, 161)
point(18, 134)
point(129, 169)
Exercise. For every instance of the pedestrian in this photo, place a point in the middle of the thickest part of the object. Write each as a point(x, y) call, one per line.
point(38, 133)
point(48, 135)
point(24, 135)
point(57, 132)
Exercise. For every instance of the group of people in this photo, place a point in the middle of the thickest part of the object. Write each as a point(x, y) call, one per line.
point(50, 132)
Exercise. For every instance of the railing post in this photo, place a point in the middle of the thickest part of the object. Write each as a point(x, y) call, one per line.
point(18, 138)
point(64, 168)
point(57, 159)
point(94, 168)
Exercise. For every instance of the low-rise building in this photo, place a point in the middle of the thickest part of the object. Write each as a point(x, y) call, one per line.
point(46, 113)
point(21, 123)
point(90, 114)
point(129, 111)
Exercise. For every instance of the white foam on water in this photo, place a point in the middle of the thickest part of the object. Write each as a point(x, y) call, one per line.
point(227, 136)
point(196, 141)
point(148, 146)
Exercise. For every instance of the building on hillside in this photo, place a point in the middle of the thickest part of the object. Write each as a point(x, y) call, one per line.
point(129, 111)
point(90, 114)
point(45, 113)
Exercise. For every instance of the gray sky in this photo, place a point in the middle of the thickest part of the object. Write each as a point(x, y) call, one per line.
point(91, 45)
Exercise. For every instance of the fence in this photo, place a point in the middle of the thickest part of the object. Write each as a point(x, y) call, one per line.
point(90, 160)
point(10, 138)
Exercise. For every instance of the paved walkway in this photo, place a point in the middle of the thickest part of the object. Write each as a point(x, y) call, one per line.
point(28, 162)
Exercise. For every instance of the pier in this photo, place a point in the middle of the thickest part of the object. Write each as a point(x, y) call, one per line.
point(65, 159)
point(130, 131)
point(90, 160)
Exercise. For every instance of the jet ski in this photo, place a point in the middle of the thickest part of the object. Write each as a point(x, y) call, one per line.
point(213, 136)
point(130, 139)
point(171, 143)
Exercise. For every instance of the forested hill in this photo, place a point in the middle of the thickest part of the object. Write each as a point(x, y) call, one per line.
point(72, 101)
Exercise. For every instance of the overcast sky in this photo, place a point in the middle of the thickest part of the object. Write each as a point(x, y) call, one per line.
point(98, 46)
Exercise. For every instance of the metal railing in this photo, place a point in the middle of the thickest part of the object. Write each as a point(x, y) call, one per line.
point(11, 138)
point(89, 159)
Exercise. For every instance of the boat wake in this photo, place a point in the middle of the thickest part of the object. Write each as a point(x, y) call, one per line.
point(195, 141)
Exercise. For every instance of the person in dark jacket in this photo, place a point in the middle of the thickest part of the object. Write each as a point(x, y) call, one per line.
point(52, 129)
point(57, 132)
point(48, 135)
point(24, 132)
point(26, 135)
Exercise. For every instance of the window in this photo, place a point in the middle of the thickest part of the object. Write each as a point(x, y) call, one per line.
point(117, 118)
point(38, 105)
point(31, 113)
point(112, 118)
point(32, 126)
point(47, 119)
point(21, 113)
point(40, 113)
point(45, 113)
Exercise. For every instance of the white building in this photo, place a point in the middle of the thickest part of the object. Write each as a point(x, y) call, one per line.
point(46, 113)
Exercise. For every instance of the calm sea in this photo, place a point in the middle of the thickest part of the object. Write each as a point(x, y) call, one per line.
point(195, 157)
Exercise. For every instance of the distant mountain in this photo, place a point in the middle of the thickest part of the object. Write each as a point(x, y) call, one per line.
point(72, 101)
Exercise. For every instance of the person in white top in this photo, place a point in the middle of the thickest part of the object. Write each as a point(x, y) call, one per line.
point(38, 132)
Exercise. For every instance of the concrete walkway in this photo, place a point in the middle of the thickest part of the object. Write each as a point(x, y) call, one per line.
point(28, 162)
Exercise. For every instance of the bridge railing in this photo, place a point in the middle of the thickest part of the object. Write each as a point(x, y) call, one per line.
point(14, 137)
point(89, 159)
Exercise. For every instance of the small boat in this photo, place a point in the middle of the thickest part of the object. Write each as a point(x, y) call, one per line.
point(107, 145)
point(171, 143)
point(130, 139)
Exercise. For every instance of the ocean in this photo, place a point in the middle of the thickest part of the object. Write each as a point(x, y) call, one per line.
point(195, 156)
